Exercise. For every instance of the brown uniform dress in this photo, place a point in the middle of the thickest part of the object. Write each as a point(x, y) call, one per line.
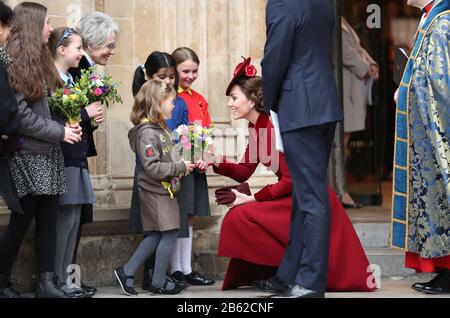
point(159, 179)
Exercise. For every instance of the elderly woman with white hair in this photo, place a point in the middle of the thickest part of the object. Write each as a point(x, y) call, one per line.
point(99, 34)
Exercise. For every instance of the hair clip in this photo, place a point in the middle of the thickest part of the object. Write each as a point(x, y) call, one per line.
point(163, 87)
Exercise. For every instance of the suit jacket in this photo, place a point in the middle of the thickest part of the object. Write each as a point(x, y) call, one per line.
point(297, 70)
point(76, 73)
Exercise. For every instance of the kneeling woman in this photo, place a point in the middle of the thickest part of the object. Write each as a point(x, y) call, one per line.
point(255, 232)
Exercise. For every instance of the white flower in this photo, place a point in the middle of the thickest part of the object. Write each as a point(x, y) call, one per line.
point(209, 141)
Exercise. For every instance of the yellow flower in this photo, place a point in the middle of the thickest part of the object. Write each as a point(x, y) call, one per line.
point(73, 97)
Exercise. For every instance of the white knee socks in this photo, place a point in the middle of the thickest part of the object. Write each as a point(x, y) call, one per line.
point(186, 252)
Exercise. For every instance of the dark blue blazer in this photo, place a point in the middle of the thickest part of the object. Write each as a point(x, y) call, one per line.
point(297, 69)
point(180, 115)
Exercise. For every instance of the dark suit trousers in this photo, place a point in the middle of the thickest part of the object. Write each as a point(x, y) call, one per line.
point(307, 153)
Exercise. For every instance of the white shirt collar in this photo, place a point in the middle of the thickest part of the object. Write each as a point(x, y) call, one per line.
point(66, 78)
point(90, 60)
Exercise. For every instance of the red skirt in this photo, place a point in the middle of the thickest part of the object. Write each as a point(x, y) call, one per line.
point(423, 265)
point(254, 236)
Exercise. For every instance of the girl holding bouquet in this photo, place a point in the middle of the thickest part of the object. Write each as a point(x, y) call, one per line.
point(194, 198)
point(159, 181)
point(159, 66)
point(38, 167)
point(66, 46)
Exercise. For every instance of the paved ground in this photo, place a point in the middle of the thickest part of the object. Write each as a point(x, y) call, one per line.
point(390, 288)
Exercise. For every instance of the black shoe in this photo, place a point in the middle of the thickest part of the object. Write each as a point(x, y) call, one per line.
point(352, 205)
point(420, 287)
point(47, 287)
point(147, 284)
point(122, 278)
point(439, 286)
point(6, 288)
point(298, 291)
point(76, 293)
point(178, 288)
point(197, 279)
point(172, 279)
point(179, 276)
point(89, 289)
point(272, 285)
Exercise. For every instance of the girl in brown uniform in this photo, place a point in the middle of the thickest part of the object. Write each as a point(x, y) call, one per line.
point(159, 181)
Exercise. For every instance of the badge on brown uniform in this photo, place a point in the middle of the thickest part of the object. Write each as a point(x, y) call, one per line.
point(162, 138)
point(150, 151)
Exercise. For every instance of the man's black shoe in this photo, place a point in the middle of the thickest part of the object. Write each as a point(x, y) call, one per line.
point(420, 287)
point(272, 285)
point(122, 278)
point(197, 279)
point(440, 286)
point(298, 291)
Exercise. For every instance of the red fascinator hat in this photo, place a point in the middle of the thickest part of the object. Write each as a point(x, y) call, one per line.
point(242, 70)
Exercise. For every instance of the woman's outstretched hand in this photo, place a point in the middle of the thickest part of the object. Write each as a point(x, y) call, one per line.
point(241, 199)
point(211, 157)
point(201, 166)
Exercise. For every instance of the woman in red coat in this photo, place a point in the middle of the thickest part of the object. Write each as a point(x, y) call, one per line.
point(255, 232)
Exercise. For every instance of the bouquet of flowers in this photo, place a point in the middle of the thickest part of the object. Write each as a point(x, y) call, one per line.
point(98, 89)
point(68, 102)
point(193, 141)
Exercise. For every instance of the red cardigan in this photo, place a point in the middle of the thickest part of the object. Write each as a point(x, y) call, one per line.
point(197, 107)
point(241, 172)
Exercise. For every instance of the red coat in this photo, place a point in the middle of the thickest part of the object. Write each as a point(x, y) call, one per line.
point(255, 235)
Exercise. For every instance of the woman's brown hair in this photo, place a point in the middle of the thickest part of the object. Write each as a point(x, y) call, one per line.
point(60, 37)
point(149, 102)
point(33, 68)
point(252, 89)
point(184, 54)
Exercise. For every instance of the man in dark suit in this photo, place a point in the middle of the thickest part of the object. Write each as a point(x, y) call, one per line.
point(299, 85)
